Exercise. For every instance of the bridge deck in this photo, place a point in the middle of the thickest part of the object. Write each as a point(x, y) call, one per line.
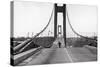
point(60, 55)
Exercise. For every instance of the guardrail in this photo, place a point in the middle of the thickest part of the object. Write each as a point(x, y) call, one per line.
point(92, 49)
point(18, 47)
point(16, 59)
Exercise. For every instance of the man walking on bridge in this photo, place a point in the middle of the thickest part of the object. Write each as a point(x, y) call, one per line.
point(59, 43)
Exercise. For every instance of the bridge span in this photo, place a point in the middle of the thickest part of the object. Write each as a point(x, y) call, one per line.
point(60, 55)
point(58, 52)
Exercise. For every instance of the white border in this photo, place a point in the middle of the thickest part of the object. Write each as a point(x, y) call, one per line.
point(5, 33)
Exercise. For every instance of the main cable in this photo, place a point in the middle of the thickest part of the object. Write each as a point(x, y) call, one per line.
point(45, 26)
point(73, 28)
point(32, 39)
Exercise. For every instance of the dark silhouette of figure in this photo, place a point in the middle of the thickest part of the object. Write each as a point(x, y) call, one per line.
point(59, 43)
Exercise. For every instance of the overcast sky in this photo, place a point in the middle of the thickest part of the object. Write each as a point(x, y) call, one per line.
point(33, 17)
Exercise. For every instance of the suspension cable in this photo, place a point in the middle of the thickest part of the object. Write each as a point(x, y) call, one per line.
point(45, 26)
point(73, 28)
point(32, 39)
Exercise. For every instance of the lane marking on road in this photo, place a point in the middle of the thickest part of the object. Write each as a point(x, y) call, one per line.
point(69, 56)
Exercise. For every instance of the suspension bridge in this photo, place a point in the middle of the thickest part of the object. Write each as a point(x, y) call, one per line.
point(58, 49)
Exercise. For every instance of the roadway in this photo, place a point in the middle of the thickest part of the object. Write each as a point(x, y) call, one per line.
point(60, 55)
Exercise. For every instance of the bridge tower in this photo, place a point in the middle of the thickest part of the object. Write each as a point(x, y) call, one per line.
point(61, 9)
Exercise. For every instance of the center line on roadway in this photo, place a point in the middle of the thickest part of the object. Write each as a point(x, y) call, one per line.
point(69, 56)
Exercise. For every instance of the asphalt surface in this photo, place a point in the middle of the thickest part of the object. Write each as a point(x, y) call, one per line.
point(60, 55)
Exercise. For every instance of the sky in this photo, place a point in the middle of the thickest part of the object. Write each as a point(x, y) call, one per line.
point(33, 17)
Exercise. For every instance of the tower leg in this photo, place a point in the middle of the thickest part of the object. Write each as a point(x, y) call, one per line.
point(55, 21)
point(64, 23)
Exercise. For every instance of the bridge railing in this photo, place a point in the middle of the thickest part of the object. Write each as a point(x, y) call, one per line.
point(16, 59)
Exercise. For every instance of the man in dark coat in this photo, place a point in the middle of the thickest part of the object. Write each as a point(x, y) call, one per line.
point(59, 43)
